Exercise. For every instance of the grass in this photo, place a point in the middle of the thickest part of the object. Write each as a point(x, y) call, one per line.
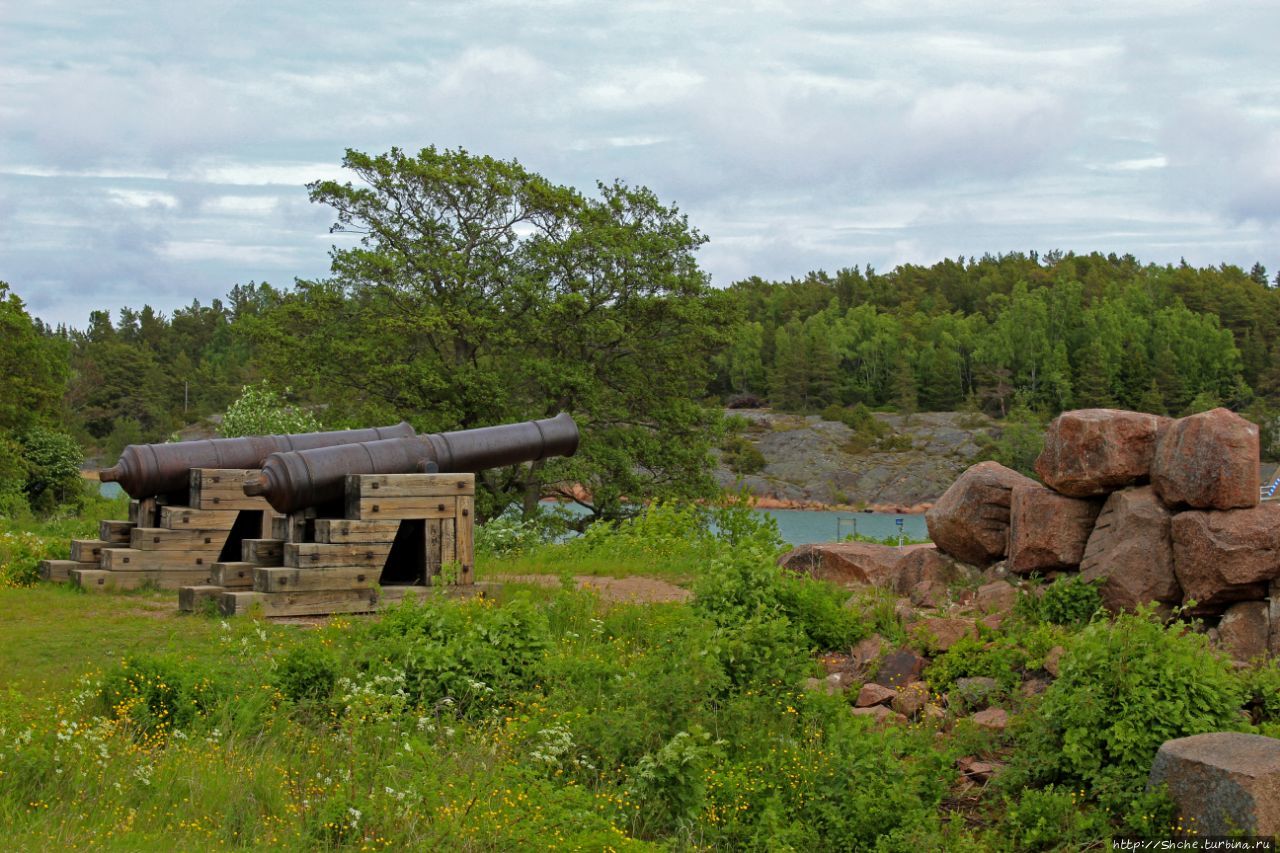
point(546, 719)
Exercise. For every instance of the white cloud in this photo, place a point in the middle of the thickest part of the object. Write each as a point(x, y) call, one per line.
point(154, 151)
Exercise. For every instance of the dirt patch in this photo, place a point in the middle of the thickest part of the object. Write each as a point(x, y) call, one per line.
point(633, 590)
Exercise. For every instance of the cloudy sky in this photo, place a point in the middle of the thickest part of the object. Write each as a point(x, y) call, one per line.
point(155, 152)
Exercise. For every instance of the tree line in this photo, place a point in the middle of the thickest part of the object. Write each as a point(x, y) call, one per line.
point(477, 292)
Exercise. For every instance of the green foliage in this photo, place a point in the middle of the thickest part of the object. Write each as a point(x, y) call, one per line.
point(671, 785)
point(742, 456)
point(53, 469)
point(1125, 688)
point(307, 673)
point(467, 656)
point(1067, 601)
point(1053, 818)
point(1020, 441)
point(155, 695)
point(481, 293)
point(33, 364)
point(507, 535)
point(13, 479)
point(969, 658)
point(260, 410)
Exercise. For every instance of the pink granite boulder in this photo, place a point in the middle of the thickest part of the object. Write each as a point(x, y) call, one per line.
point(847, 562)
point(971, 519)
point(1047, 531)
point(1222, 782)
point(1130, 551)
point(1220, 557)
point(1090, 452)
point(1207, 461)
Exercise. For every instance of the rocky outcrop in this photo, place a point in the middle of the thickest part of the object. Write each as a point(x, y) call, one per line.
point(1222, 782)
point(1207, 461)
point(928, 565)
point(1221, 557)
point(1130, 552)
point(1090, 452)
point(848, 562)
point(1047, 531)
point(971, 519)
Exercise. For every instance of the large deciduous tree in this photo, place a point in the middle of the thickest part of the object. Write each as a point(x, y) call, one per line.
point(480, 293)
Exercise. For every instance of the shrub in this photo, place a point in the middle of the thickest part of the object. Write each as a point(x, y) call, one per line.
point(671, 784)
point(307, 673)
point(1068, 601)
point(970, 658)
point(155, 695)
point(260, 410)
point(507, 535)
point(472, 652)
point(1125, 688)
point(742, 457)
point(53, 469)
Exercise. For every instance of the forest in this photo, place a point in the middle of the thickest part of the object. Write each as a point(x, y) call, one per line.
point(476, 292)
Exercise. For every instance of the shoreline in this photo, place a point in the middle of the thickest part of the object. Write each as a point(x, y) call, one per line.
point(814, 506)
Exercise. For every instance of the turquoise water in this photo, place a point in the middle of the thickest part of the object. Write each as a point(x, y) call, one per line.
point(801, 526)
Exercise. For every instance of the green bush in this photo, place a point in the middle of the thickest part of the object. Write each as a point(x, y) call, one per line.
point(1125, 688)
point(155, 695)
point(471, 653)
point(1069, 601)
point(53, 469)
point(971, 658)
point(307, 673)
point(742, 456)
point(260, 410)
point(507, 535)
point(1054, 818)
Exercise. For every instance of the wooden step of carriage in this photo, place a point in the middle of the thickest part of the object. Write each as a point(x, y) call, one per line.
point(400, 535)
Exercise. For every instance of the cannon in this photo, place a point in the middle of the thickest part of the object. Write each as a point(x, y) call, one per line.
point(295, 480)
point(155, 469)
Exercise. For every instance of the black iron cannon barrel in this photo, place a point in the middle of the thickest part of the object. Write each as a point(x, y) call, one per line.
point(155, 469)
point(296, 480)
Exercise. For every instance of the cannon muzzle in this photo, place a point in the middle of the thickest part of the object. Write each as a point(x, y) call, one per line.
point(156, 469)
point(294, 480)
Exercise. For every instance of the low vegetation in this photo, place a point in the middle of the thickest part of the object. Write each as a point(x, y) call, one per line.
point(545, 718)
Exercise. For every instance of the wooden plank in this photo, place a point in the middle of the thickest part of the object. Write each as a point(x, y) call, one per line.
point(277, 526)
point(463, 541)
point(59, 570)
point(182, 539)
point(179, 517)
point(98, 580)
point(337, 531)
point(133, 560)
point(143, 511)
point(229, 500)
point(376, 508)
point(337, 578)
point(262, 552)
point(232, 575)
point(316, 555)
point(222, 479)
point(115, 532)
point(300, 525)
point(434, 535)
point(320, 602)
point(448, 542)
point(192, 598)
point(87, 550)
point(411, 485)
